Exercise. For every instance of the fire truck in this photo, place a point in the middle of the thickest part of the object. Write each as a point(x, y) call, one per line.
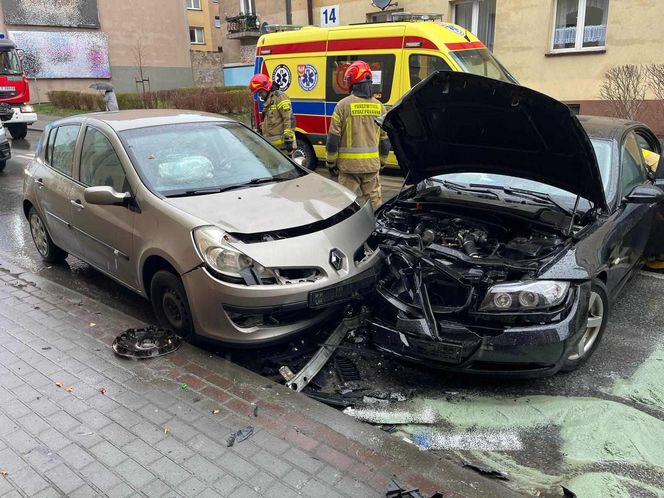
point(16, 112)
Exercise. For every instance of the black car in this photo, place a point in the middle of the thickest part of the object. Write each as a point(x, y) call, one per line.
point(521, 226)
point(5, 149)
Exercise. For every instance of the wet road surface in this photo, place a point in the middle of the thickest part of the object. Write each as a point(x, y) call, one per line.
point(597, 430)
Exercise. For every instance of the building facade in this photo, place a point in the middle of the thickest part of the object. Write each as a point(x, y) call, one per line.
point(80, 43)
point(560, 47)
point(205, 39)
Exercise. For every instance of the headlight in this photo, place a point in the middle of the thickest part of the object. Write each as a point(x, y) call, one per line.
point(27, 108)
point(214, 246)
point(532, 295)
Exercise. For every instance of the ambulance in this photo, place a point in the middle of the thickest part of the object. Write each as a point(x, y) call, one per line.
point(308, 63)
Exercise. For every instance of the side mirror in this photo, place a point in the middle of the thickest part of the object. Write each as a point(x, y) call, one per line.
point(645, 194)
point(107, 196)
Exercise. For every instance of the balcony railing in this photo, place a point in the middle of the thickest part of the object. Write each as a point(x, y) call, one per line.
point(243, 25)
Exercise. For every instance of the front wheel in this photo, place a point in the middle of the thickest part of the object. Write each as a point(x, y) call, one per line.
point(43, 242)
point(3, 164)
point(598, 315)
point(170, 305)
point(310, 160)
point(18, 131)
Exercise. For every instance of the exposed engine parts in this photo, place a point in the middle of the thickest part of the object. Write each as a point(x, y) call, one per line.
point(440, 263)
point(471, 237)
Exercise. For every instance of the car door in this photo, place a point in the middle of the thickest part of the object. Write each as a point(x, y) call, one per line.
point(633, 221)
point(54, 182)
point(104, 233)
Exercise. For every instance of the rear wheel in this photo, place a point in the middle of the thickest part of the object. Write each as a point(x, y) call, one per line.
point(43, 242)
point(170, 305)
point(18, 131)
point(598, 314)
point(310, 159)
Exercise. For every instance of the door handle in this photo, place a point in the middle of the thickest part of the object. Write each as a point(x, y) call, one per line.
point(39, 182)
point(77, 204)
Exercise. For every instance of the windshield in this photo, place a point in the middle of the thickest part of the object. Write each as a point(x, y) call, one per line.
point(603, 152)
point(9, 62)
point(482, 63)
point(184, 158)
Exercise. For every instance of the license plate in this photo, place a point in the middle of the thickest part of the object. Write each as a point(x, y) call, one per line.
point(342, 292)
point(7, 88)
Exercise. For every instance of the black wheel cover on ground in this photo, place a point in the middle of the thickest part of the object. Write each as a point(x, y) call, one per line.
point(148, 342)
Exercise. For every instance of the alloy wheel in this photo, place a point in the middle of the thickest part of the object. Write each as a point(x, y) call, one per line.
point(593, 326)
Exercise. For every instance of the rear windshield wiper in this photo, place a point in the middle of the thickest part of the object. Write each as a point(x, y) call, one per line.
point(528, 194)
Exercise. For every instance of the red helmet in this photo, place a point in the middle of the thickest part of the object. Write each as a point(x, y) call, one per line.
point(357, 72)
point(260, 82)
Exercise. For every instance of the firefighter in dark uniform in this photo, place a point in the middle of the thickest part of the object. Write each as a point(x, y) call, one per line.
point(356, 146)
point(277, 121)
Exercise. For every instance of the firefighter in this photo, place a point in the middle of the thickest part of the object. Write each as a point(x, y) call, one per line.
point(277, 121)
point(356, 147)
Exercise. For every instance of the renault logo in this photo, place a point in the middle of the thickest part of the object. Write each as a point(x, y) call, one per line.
point(336, 259)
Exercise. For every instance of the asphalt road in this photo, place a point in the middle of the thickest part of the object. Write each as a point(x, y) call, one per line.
point(595, 430)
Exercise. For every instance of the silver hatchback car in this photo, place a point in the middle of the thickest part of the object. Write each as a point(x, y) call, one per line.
point(228, 238)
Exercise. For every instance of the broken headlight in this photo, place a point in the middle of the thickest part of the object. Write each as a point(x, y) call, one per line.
point(518, 296)
point(214, 246)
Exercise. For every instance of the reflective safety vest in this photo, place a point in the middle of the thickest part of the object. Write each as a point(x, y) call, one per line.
point(278, 120)
point(355, 141)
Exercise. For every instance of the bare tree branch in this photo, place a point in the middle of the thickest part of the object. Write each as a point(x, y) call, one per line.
point(139, 57)
point(624, 90)
point(655, 74)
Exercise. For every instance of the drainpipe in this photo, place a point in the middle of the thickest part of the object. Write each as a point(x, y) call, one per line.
point(289, 12)
point(310, 12)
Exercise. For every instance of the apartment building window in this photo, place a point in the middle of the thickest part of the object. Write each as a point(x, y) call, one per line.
point(478, 17)
point(580, 25)
point(247, 7)
point(194, 4)
point(197, 36)
point(217, 22)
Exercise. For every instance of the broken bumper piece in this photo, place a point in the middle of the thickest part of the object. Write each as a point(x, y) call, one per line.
point(525, 351)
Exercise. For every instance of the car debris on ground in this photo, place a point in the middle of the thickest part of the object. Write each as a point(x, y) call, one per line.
point(239, 436)
point(148, 342)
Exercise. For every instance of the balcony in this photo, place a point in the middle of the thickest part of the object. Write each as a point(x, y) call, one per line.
point(243, 26)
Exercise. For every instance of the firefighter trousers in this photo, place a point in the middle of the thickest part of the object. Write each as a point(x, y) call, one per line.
point(368, 185)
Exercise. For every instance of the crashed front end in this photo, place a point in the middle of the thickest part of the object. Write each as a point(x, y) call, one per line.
point(461, 291)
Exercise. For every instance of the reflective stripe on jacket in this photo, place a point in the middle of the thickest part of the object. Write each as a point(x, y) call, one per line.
point(277, 121)
point(354, 137)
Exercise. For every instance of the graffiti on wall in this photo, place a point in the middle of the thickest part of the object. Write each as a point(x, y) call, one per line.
point(59, 54)
point(69, 13)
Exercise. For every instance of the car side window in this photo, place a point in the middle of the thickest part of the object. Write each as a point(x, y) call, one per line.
point(61, 152)
point(633, 171)
point(382, 68)
point(420, 66)
point(100, 164)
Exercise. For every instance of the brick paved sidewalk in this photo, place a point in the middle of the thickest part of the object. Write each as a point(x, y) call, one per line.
point(146, 436)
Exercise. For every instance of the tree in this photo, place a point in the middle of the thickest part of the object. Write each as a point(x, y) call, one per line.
point(655, 73)
point(624, 90)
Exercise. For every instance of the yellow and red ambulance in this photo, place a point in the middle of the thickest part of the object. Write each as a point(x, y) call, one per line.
point(309, 63)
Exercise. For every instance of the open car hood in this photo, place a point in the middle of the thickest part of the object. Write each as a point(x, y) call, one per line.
point(457, 122)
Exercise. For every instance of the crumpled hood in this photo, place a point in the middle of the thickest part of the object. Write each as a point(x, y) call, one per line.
point(269, 207)
point(457, 122)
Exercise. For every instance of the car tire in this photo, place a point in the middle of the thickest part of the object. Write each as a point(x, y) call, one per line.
point(310, 159)
point(3, 164)
point(18, 131)
point(598, 315)
point(42, 240)
point(170, 304)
